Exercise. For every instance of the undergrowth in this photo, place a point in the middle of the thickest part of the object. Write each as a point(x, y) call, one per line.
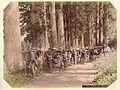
point(18, 79)
point(107, 69)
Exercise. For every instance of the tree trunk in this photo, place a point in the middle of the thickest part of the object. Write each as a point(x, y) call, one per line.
point(40, 39)
point(101, 23)
point(76, 42)
point(53, 24)
point(97, 23)
point(73, 40)
point(42, 36)
point(5, 68)
point(96, 18)
point(65, 28)
point(90, 29)
point(70, 33)
point(76, 27)
point(61, 38)
point(12, 43)
point(82, 41)
point(45, 32)
point(105, 24)
point(33, 16)
point(34, 19)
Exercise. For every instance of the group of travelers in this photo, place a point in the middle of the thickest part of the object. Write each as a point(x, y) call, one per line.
point(68, 57)
point(62, 58)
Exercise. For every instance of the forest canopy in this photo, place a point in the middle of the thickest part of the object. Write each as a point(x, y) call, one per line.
point(68, 24)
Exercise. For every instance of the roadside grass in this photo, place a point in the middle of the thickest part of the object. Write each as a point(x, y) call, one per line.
point(19, 79)
point(107, 69)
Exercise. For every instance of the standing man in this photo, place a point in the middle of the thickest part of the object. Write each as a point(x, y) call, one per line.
point(26, 46)
point(69, 55)
point(83, 56)
point(107, 51)
point(33, 62)
point(49, 59)
point(74, 56)
point(64, 54)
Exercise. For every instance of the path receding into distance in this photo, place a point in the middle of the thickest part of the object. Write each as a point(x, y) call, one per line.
point(75, 76)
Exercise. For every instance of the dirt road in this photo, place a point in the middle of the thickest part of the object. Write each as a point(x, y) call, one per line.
point(74, 76)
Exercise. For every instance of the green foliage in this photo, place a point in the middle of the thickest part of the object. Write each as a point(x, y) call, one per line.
point(107, 69)
point(107, 79)
point(19, 79)
point(16, 79)
point(111, 29)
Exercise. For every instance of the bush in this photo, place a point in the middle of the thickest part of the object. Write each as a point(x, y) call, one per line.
point(19, 79)
point(107, 69)
point(15, 79)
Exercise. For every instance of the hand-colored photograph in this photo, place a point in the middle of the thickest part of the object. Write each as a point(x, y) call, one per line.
point(60, 44)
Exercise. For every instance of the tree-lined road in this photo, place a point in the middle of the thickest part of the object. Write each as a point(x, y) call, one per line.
point(74, 76)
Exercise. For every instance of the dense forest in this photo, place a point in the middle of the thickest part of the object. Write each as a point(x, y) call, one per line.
point(65, 25)
point(56, 24)
point(68, 24)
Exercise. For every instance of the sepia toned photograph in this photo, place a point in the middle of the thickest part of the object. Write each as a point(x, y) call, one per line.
point(60, 44)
